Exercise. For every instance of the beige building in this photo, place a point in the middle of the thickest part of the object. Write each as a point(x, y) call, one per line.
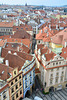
point(6, 28)
point(53, 69)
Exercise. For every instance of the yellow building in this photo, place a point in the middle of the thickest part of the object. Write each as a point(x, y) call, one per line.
point(16, 85)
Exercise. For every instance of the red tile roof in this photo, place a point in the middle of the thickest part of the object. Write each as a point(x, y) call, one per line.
point(14, 61)
point(21, 34)
point(6, 24)
point(2, 43)
point(64, 53)
point(20, 54)
point(44, 34)
point(26, 42)
point(23, 27)
point(60, 37)
point(4, 71)
point(16, 46)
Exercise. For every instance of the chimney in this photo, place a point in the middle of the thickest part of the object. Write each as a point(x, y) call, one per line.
point(41, 31)
point(65, 44)
point(15, 53)
point(49, 50)
point(49, 26)
point(21, 44)
point(47, 34)
point(9, 52)
point(56, 27)
point(18, 48)
point(7, 62)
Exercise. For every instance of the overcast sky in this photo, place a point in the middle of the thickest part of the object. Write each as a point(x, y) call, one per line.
point(36, 2)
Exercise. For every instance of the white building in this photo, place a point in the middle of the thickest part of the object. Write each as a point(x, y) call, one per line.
point(53, 69)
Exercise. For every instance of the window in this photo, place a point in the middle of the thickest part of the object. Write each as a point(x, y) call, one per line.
point(50, 81)
point(56, 63)
point(20, 84)
point(17, 95)
point(39, 41)
point(10, 29)
point(20, 91)
point(59, 62)
point(11, 83)
point(30, 82)
point(56, 80)
point(19, 76)
point(15, 72)
point(53, 64)
point(25, 77)
point(16, 80)
point(62, 67)
point(26, 86)
point(51, 69)
point(57, 74)
point(51, 75)
point(13, 98)
point(16, 86)
point(61, 78)
point(4, 97)
point(57, 69)
point(12, 90)
point(30, 74)
point(16, 28)
point(62, 73)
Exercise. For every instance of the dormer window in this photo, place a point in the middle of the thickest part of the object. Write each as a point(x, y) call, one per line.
point(64, 52)
point(15, 72)
point(39, 41)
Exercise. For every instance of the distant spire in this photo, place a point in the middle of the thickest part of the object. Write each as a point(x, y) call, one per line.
point(25, 4)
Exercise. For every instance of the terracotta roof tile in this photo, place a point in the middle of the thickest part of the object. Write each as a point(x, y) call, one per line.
point(64, 53)
point(5, 69)
point(60, 37)
point(6, 24)
point(22, 34)
point(14, 61)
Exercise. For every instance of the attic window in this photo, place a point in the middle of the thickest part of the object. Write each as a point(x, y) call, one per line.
point(39, 41)
point(64, 52)
point(16, 28)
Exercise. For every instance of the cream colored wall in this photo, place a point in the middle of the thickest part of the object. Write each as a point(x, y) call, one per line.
point(45, 74)
point(14, 86)
point(6, 93)
point(52, 45)
point(30, 32)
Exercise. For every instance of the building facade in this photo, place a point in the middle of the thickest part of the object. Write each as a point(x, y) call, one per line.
point(53, 70)
point(28, 76)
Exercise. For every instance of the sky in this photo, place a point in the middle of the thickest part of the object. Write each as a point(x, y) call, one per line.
point(36, 2)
